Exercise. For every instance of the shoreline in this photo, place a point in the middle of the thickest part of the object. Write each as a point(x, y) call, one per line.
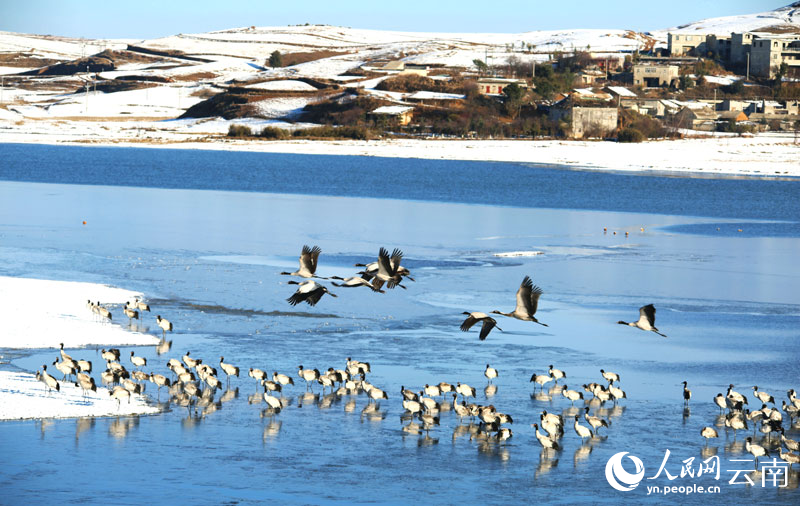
point(772, 156)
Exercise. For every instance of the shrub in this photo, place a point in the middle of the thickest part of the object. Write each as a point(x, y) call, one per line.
point(344, 132)
point(239, 131)
point(630, 135)
point(273, 133)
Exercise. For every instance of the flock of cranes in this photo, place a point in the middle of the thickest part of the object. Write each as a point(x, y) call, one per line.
point(766, 420)
point(191, 382)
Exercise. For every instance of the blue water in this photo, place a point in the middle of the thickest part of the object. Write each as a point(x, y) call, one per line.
point(204, 235)
point(505, 184)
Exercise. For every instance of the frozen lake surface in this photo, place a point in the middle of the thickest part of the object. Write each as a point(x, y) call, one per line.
point(170, 224)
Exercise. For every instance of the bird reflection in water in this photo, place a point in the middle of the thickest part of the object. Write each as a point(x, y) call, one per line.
point(120, 427)
point(229, 395)
point(541, 396)
point(308, 398)
point(255, 398)
point(734, 447)
point(686, 414)
point(581, 454)
point(548, 460)
point(44, 425)
point(327, 400)
point(465, 431)
point(271, 430)
point(427, 440)
point(372, 412)
point(490, 390)
point(82, 425)
point(350, 406)
point(163, 347)
point(492, 449)
point(708, 451)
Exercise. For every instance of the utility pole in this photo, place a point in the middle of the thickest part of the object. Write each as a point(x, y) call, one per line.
point(748, 67)
point(86, 106)
point(2, 86)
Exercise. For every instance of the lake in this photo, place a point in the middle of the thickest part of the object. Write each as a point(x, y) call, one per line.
point(205, 234)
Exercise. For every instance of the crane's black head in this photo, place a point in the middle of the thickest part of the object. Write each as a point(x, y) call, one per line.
point(577, 417)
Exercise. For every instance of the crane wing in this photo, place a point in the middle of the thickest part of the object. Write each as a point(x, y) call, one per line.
point(468, 323)
point(524, 297)
point(488, 325)
point(536, 292)
point(648, 313)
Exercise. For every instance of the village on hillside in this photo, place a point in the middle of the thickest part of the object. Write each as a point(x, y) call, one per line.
point(327, 82)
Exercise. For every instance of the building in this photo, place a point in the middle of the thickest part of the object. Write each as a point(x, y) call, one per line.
point(590, 77)
point(496, 85)
point(653, 76)
point(399, 113)
point(735, 116)
point(741, 44)
point(719, 46)
point(585, 121)
point(680, 44)
point(696, 119)
point(768, 52)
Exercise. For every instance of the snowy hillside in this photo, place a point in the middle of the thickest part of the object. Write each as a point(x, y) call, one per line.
point(788, 15)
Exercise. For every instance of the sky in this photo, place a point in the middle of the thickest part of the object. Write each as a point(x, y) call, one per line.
point(147, 19)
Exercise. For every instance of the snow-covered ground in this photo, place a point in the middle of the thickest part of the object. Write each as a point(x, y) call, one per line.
point(23, 397)
point(39, 313)
point(712, 153)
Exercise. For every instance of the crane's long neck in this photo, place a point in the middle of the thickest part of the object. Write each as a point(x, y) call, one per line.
point(626, 323)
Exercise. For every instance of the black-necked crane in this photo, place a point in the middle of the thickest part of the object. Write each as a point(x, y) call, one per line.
point(490, 373)
point(791, 444)
point(792, 411)
point(64, 355)
point(791, 458)
point(763, 396)
point(572, 395)
point(719, 400)
point(646, 321)
point(138, 361)
point(308, 291)
point(408, 395)
point(609, 376)
point(376, 394)
point(257, 374)
point(581, 431)
point(735, 421)
point(556, 374)
point(68, 367)
point(282, 379)
point(553, 424)
point(160, 381)
point(545, 441)
point(413, 406)
point(228, 369)
point(617, 393)
point(50, 382)
point(131, 313)
point(465, 390)
point(190, 362)
point(793, 398)
point(527, 302)
point(540, 379)
point(355, 282)
point(84, 366)
point(736, 396)
point(166, 326)
point(388, 268)
point(120, 393)
point(708, 433)
point(432, 390)
point(138, 304)
point(488, 323)
point(687, 394)
point(112, 355)
point(595, 421)
point(272, 402)
point(308, 375)
point(271, 386)
point(446, 388)
point(104, 313)
point(755, 450)
point(308, 263)
point(86, 383)
point(460, 409)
